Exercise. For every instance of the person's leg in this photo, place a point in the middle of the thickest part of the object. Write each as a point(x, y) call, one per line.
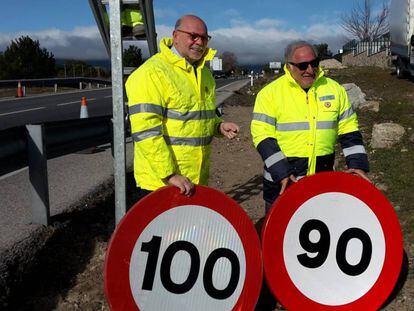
point(268, 207)
point(140, 193)
point(270, 194)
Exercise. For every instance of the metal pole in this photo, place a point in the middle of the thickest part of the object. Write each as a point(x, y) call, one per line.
point(38, 174)
point(118, 109)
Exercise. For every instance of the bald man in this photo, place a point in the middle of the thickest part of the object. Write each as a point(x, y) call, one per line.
point(171, 100)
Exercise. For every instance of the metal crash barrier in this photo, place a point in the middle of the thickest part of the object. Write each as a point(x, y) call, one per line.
point(32, 145)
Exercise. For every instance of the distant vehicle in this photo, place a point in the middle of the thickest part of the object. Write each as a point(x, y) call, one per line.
point(402, 37)
point(219, 75)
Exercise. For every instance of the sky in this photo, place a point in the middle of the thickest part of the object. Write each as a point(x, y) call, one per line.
point(256, 31)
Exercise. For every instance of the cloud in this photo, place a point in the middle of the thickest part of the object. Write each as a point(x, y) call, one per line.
point(165, 13)
point(268, 23)
point(79, 43)
point(266, 41)
point(253, 43)
point(231, 12)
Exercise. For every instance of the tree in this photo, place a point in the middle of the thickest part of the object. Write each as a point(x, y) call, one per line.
point(133, 56)
point(76, 68)
point(323, 51)
point(229, 60)
point(360, 22)
point(25, 59)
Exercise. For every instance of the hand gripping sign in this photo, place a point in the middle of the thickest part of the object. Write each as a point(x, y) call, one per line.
point(332, 242)
point(172, 252)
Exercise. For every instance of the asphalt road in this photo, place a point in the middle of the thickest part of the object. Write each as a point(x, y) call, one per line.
point(53, 107)
point(71, 177)
point(62, 106)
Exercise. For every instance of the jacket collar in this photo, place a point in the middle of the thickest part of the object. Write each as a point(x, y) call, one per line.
point(319, 75)
point(165, 48)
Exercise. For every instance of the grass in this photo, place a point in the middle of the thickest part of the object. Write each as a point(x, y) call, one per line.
point(395, 166)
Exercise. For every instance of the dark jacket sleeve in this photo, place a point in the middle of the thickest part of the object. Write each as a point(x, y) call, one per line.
point(274, 159)
point(354, 150)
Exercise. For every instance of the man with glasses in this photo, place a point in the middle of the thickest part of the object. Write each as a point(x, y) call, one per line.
point(171, 100)
point(297, 120)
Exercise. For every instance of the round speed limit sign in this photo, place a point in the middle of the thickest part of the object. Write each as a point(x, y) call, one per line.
point(332, 242)
point(172, 252)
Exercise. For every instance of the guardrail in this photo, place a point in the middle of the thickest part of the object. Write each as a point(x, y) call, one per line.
point(68, 82)
point(32, 145)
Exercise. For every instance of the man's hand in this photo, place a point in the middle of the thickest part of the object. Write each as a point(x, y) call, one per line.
point(285, 182)
point(358, 172)
point(229, 130)
point(183, 183)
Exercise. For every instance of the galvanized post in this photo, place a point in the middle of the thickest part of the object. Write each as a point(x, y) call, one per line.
point(118, 109)
point(38, 174)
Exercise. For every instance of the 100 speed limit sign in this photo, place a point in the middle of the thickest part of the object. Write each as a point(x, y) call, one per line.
point(171, 252)
point(332, 241)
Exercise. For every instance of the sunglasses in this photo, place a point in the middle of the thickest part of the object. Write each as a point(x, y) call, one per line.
point(303, 66)
point(195, 36)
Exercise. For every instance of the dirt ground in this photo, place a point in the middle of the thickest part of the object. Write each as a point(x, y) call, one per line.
point(68, 274)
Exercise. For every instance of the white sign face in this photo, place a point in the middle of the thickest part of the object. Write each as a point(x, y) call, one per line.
point(216, 64)
point(187, 258)
point(275, 65)
point(334, 248)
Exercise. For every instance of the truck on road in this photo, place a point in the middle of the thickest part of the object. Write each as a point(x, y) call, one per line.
point(402, 37)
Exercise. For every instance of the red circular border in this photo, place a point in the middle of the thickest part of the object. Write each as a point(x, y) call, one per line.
point(116, 270)
point(283, 209)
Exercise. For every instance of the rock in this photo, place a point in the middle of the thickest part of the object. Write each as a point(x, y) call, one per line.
point(386, 135)
point(356, 96)
point(370, 105)
point(331, 64)
point(382, 187)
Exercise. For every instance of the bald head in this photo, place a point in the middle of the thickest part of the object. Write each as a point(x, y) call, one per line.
point(189, 19)
point(190, 37)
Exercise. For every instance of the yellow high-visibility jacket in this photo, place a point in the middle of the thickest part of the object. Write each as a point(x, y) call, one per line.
point(131, 17)
point(296, 131)
point(173, 118)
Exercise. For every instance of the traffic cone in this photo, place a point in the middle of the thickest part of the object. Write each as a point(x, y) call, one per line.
point(84, 108)
point(19, 89)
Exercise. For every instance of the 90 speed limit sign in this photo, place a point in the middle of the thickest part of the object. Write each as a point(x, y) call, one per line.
point(332, 241)
point(172, 252)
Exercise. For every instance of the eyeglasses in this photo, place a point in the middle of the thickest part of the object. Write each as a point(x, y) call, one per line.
point(304, 65)
point(195, 36)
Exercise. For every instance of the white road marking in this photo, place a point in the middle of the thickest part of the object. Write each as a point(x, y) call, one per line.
point(76, 102)
point(227, 85)
point(21, 111)
point(69, 103)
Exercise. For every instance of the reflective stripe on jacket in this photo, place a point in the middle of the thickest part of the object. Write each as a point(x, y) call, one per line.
point(173, 118)
point(289, 123)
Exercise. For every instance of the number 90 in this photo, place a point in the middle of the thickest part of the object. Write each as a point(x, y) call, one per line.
point(321, 247)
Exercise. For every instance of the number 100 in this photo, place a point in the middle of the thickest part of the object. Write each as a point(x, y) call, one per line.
point(153, 249)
